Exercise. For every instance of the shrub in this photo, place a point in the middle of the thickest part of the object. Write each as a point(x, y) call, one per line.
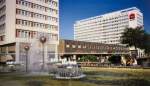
point(115, 59)
point(91, 58)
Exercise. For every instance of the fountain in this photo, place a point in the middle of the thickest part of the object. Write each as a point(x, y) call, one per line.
point(37, 61)
point(69, 72)
point(66, 71)
point(36, 58)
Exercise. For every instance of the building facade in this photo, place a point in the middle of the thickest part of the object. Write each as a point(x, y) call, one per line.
point(107, 28)
point(23, 22)
point(72, 49)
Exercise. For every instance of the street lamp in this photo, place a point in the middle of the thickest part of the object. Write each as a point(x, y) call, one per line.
point(26, 48)
point(43, 40)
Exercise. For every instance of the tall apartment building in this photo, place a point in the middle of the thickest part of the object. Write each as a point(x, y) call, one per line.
point(107, 28)
point(23, 22)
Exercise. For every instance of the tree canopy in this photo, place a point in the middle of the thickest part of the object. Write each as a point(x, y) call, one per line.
point(146, 45)
point(133, 37)
point(115, 59)
point(91, 58)
point(136, 37)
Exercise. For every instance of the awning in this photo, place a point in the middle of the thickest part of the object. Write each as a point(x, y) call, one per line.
point(9, 57)
point(3, 59)
point(6, 58)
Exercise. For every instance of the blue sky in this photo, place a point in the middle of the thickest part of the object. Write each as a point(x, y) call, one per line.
point(73, 10)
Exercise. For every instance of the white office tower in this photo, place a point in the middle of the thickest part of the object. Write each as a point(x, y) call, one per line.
point(23, 22)
point(107, 28)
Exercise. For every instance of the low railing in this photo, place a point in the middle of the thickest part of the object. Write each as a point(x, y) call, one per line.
point(93, 64)
point(98, 64)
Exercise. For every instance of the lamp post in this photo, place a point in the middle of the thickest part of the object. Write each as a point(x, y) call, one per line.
point(26, 48)
point(43, 40)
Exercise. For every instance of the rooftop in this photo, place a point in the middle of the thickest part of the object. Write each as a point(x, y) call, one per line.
point(100, 16)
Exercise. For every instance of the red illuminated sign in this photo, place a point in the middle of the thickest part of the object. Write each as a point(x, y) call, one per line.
point(132, 16)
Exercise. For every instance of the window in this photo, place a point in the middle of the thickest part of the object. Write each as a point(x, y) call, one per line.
point(17, 21)
point(36, 24)
point(17, 11)
point(73, 46)
point(2, 9)
point(2, 28)
point(67, 46)
point(35, 15)
point(25, 34)
point(2, 18)
point(79, 46)
point(39, 7)
point(84, 46)
point(2, 38)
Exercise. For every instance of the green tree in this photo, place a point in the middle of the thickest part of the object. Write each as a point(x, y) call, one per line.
point(91, 58)
point(83, 58)
point(115, 59)
point(133, 37)
point(136, 37)
point(146, 43)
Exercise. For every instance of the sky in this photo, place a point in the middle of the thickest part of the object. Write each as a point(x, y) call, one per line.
point(73, 10)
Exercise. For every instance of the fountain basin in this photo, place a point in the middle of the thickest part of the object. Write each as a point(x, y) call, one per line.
point(68, 72)
point(75, 77)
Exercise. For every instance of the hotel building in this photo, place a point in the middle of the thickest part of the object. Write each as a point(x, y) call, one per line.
point(23, 22)
point(109, 27)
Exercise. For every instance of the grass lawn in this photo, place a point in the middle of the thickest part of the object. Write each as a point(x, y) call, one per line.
point(19, 80)
point(118, 76)
point(95, 77)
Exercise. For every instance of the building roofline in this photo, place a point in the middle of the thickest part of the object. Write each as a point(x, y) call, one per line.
point(91, 42)
point(99, 16)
